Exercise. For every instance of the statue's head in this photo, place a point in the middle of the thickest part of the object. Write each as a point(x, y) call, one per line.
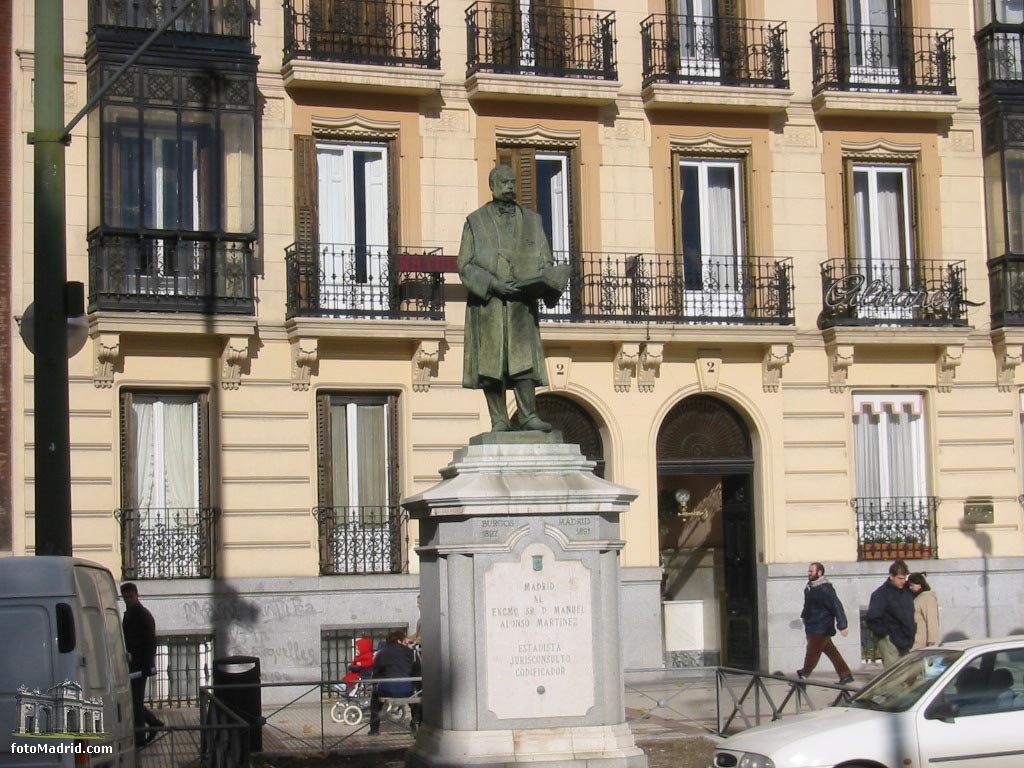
point(503, 183)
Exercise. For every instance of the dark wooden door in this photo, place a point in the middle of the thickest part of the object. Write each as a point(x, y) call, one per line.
point(740, 556)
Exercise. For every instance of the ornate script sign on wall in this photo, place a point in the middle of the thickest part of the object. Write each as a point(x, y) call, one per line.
point(856, 290)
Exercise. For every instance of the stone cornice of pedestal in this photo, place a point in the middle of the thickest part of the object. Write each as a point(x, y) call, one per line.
point(530, 479)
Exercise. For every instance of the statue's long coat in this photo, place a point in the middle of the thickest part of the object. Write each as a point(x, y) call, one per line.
point(495, 328)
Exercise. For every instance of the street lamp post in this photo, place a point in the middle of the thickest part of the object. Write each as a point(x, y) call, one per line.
point(52, 429)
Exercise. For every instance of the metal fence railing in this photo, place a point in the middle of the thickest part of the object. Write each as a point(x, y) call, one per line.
point(665, 288)
point(714, 51)
point(360, 540)
point(338, 280)
point(918, 292)
point(896, 527)
point(553, 41)
point(229, 18)
point(882, 58)
point(402, 33)
point(155, 272)
point(167, 543)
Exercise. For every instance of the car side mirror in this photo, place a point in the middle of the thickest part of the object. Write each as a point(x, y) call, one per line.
point(946, 711)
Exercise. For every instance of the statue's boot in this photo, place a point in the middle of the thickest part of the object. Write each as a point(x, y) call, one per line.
point(495, 397)
point(526, 399)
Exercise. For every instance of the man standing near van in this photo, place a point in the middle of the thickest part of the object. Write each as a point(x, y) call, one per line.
point(140, 639)
point(891, 615)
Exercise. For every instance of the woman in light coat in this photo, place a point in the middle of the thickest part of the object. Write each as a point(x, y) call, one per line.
point(926, 611)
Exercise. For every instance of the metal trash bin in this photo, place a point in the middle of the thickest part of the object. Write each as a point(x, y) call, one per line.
point(247, 702)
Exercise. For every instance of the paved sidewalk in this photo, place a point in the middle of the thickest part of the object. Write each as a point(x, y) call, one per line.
point(659, 705)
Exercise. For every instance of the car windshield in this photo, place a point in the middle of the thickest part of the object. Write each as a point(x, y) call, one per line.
point(897, 689)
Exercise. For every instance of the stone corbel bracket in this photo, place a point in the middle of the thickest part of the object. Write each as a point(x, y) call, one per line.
point(233, 360)
point(627, 358)
point(945, 367)
point(106, 359)
point(647, 371)
point(424, 364)
point(775, 357)
point(709, 369)
point(305, 362)
point(1008, 357)
point(840, 358)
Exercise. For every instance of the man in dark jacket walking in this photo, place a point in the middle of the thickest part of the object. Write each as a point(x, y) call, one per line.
point(140, 642)
point(891, 615)
point(822, 615)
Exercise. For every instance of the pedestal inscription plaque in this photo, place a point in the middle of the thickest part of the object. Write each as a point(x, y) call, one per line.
point(539, 636)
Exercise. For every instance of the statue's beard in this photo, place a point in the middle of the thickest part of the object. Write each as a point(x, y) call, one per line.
point(506, 197)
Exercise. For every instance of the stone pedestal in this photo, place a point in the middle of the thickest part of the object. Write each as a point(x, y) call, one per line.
point(519, 581)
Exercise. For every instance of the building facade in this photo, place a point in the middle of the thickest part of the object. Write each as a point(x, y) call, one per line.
point(790, 324)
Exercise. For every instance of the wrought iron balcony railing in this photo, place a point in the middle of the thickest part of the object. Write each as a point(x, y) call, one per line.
point(384, 32)
point(663, 288)
point(923, 292)
point(1001, 56)
point(882, 59)
point(1006, 290)
point(167, 543)
point(224, 18)
point(170, 273)
point(335, 280)
point(895, 527)
point(715, 51)
point(360, 540)
point(554, 42)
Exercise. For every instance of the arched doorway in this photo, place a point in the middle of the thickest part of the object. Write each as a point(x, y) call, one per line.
point(575, 423)
point(706, 535)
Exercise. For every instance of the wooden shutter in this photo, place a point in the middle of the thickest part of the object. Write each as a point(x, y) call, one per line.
point(206, 513)
point(324, 464)
point(399, 551)
point(128, 503)
point(522, 160)
point(677, 211)
point(306, 215)
point(307, 224)
point(325, 495)
point(394, 152)
point(204, 442)
point(849, 229)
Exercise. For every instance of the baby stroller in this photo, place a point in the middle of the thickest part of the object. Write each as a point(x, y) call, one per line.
point(354, 696)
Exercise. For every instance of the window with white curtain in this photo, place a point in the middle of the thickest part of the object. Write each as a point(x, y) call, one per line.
point(352, 199)
point(358, 484)
point(889, 445)
point(165, 505)
point(166, 442)
point(881, 235)
point(710, 226)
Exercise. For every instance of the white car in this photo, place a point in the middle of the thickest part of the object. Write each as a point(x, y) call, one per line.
point(959, 704)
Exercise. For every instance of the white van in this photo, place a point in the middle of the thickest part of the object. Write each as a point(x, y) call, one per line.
point(59, 624)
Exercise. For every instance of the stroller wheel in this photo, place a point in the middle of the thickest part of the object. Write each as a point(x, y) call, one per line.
point(337, 711)
point(396, 713)
point(352, 715)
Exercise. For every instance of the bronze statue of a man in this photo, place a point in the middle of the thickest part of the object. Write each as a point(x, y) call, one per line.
point(506, 265)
